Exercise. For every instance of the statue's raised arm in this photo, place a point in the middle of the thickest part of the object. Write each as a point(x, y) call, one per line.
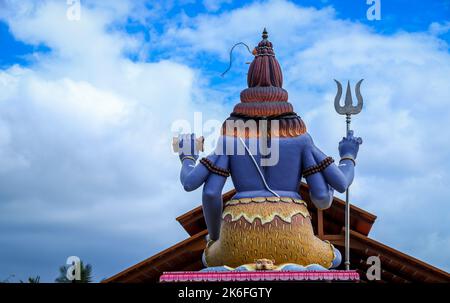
point(211, 171)
point(191, 176)
point(323, 175)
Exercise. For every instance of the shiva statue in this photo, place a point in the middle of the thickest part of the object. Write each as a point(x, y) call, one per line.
point(265, 148)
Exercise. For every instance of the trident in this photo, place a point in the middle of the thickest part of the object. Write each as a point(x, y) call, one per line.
point(348, 109)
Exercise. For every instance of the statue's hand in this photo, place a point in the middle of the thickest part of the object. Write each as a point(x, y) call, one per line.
point(349, 145)
point(187, 147)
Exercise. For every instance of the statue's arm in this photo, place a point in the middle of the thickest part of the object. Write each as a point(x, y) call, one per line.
point(192, 176)
point(212, 196)
point(340, 177)
point(320, 192)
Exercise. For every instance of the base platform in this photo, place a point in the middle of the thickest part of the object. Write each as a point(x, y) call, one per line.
point(266, 275)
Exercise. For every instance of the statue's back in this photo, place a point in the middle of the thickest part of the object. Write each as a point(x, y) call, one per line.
point(281, 171)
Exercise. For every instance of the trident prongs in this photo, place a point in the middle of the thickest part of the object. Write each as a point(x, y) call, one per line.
point(348, 108)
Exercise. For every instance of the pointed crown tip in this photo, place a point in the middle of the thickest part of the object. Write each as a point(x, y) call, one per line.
point(265, 35)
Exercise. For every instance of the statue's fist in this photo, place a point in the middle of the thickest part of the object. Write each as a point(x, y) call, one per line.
point(349, 146)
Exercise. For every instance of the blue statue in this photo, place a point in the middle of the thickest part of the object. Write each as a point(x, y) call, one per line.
point(266, 150)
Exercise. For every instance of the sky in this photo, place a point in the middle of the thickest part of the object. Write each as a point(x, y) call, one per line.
point(87, 107)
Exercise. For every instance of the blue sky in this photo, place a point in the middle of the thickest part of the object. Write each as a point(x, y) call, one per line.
point(397, 15)
point(86, 110)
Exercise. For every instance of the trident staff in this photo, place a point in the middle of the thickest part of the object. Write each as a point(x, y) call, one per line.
point(348, 109)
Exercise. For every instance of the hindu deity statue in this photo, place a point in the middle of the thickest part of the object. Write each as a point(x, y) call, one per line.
point(265, 148)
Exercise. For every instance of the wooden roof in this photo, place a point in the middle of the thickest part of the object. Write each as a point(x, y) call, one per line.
point(328, 225)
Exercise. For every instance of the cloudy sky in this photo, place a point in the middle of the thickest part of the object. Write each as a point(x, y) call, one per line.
point(87, 108)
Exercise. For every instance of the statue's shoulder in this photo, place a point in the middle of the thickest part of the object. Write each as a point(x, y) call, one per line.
point(305, 140)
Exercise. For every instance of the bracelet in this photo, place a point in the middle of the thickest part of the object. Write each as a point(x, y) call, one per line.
point(188, 157)
point(318, 168)
point(214, 168)
point(348, 158)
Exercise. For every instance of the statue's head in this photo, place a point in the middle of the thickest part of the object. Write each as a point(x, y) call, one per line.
point(265, 99)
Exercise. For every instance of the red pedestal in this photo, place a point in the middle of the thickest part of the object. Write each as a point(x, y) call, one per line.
point(267, 275)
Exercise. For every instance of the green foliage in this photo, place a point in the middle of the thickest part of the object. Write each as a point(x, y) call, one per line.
point(86, 274)
point(6, 280)
point(33, 280)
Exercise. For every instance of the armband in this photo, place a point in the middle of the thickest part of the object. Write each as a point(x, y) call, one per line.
point(318, 167)
point(214, 168)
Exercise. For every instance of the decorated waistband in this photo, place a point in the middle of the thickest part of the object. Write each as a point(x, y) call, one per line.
point(264, 199)
point(265, 210)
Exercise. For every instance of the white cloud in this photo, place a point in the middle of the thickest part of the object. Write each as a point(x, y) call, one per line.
point(214, 5)
point(217, 33)
point(85, 144)
point(437, 28)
